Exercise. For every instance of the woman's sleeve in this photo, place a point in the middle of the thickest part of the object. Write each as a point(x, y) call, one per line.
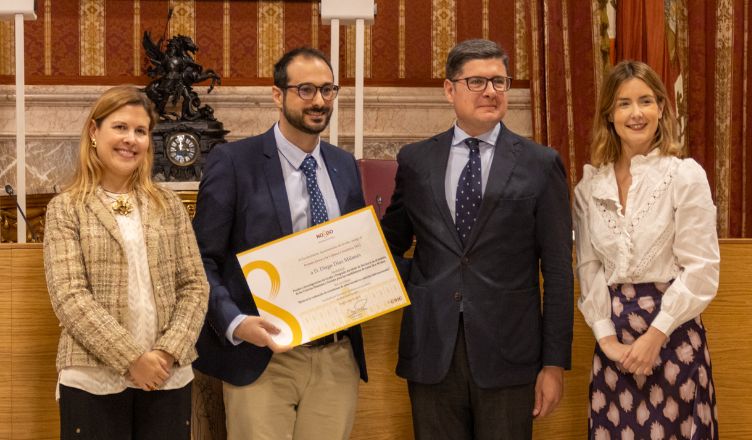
point(594, 302)
point(67, 282)
point(695, 249)
point(191, 290)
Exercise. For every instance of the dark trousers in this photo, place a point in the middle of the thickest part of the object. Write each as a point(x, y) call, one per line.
point(130, 415)
point(457, 409)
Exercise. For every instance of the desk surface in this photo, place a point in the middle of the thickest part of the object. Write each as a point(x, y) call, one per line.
point(29, 332)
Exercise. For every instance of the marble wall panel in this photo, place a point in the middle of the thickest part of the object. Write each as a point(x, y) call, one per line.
point(393, 117)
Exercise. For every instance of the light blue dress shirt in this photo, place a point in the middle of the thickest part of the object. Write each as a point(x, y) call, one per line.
point(459, 154)
point(291, 157)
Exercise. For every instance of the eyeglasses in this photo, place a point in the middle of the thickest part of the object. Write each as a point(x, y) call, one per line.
point(308, 91)
point(479, 83)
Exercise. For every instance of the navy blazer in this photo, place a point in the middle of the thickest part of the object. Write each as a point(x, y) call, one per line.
point(242, 203)
point(523, 226)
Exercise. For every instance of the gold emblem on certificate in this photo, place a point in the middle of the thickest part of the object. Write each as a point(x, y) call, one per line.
point(324, 279)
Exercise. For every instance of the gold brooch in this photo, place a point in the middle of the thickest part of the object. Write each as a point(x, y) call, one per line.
point(122, 205)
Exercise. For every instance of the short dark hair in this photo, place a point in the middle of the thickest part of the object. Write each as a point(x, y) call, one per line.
point(469, 50)
point(280, 68)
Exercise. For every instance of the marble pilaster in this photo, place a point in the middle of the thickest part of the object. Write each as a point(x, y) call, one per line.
point(393, 117)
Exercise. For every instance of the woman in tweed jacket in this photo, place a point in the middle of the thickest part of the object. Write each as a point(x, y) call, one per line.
point(126, 282)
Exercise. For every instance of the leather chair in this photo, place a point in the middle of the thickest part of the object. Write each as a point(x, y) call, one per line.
point(378, 182)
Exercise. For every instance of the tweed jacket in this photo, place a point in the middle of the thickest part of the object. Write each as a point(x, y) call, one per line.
point(87, 278)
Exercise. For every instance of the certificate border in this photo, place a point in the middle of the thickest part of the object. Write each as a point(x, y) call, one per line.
point(322, 225)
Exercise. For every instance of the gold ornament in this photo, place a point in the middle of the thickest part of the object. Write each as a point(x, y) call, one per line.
point(122, 205)
point(93, 143)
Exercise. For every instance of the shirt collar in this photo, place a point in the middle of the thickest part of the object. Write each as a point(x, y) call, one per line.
point(292, 153)
point(488, 137)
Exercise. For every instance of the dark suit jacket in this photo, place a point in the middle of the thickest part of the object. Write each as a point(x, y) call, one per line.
point(524, 225)
point(242, 203)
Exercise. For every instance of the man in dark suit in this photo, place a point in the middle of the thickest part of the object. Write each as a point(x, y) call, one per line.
point(488, 210)
point(254, 191)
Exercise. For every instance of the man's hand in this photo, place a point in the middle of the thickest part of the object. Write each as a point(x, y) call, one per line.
point(149, 371)
point(643, 353)
point(258, 331)
point(549, 387)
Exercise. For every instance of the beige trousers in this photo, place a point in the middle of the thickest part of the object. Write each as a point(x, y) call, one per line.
point(308, 393)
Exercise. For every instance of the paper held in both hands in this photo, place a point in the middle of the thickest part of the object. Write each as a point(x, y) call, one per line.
point(325, 278)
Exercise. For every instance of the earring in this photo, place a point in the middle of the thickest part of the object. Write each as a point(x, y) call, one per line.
point(93, 143)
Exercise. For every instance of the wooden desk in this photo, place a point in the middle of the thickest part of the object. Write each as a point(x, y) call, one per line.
point(29, 332)
point(28, 344)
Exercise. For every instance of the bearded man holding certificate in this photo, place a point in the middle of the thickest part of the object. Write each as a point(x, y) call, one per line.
point(254, 191)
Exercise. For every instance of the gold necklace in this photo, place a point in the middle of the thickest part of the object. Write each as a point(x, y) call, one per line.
point(121, 203)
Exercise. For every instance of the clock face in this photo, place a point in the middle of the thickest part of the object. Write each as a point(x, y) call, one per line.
point(182, 149)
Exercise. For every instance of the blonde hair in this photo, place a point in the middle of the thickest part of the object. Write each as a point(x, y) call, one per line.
point(606, 145)
point(89, 169)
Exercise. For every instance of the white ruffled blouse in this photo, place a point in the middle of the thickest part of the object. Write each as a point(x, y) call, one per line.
point(668, 232)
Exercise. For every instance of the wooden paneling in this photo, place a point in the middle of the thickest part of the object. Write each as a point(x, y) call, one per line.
point(5, 346)
point(729, 324)
point(29, 332)
point(569, 421)
point(28, 344)
point(34, 336)
point(383, 404)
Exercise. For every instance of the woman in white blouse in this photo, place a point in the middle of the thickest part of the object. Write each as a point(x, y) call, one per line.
point(648, 261)
point(126, 282)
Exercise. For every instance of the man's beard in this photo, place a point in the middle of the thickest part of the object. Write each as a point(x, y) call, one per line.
point(298, 120)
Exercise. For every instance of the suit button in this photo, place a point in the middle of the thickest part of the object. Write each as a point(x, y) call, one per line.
point(465, 261)
point(457, 296)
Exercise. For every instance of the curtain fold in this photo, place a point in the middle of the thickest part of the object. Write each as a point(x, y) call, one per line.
point(567, 59)
point(700, 48)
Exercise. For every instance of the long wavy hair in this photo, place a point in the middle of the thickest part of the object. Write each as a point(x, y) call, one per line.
point(606, 145)
point(89, 170)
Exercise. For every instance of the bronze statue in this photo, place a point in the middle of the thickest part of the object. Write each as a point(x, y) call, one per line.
point(174, 72)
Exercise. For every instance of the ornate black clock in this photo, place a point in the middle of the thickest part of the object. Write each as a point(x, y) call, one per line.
point(181, 140)
point(180, 148)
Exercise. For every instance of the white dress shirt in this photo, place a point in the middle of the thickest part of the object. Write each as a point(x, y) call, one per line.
point(291, 158)
point(459, 154)
point(668, 232)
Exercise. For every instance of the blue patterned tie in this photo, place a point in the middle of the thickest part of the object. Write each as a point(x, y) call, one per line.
point(316, 200)
point(469, 192)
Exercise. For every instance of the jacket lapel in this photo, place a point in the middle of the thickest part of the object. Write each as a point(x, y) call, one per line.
point(438, 159)
point(152, 227)
point(504, 160)
point(104, 214)
point(341, 185)
point(276, 182)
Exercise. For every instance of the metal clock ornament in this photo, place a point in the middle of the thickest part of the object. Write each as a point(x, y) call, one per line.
point(187, 130)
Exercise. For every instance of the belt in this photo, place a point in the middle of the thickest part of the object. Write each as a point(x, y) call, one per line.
point(326, 340)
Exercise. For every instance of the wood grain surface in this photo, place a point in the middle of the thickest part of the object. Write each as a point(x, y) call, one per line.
point(29, 332)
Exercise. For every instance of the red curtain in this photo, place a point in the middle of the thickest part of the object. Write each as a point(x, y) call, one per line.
point(641, 35)
point(566, 62)
point(714, 62)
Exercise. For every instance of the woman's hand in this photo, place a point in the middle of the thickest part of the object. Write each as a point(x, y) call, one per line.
point(612, 348)
point(642, 355)
point(150, 370)
point(167, 357)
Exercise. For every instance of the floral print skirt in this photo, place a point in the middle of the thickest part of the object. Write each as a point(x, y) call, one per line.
point(677, 401)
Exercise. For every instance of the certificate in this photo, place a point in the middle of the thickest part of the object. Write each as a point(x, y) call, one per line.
point(325, 278)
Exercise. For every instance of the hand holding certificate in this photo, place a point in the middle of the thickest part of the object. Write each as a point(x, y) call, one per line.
point(324, 279)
